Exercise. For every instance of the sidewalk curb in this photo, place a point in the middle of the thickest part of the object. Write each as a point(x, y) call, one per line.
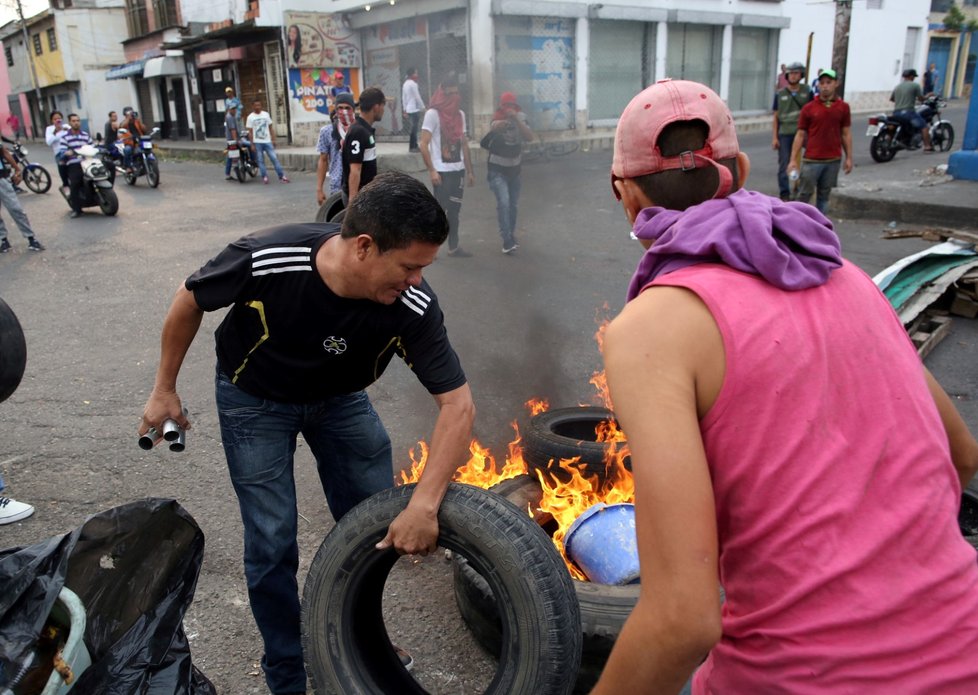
point(864, 207)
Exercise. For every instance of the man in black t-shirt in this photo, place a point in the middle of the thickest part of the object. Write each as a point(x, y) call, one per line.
point(317, 313)
point(359, 146)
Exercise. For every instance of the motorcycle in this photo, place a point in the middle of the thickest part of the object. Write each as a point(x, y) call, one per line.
point(96, 182)
point(35, 176)
point(242, 163)
point(891, 134)
point(143, 160)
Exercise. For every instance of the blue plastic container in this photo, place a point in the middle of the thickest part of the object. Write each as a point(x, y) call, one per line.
point(601, 541)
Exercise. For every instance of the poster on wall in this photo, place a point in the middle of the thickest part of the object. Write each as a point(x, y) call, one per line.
point(317, 39)
point(309, 91)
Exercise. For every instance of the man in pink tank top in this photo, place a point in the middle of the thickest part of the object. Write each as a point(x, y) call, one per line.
point(787, 443)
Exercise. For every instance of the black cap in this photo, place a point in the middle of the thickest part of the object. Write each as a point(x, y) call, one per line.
point(344, 98)
point(909, 72)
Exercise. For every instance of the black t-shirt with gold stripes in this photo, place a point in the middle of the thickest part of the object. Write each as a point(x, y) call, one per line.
point(289, 338)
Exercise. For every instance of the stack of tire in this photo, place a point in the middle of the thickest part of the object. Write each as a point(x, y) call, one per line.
point(13, 352)
point(332, 209)
point(562, 433)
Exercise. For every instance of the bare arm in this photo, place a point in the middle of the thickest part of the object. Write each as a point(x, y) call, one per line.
point(796, 146)
point(426, 156)
point(775, 143)
point(14, 171)
point(415, 530)
point(847, 148)
point(179, 329)
point(467, 158)
point(964, 448)
point(322, 167)
point(354, 180)
point(655, 353)
point(524, 130)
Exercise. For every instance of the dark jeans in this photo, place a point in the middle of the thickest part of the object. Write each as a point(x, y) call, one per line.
point(75, 182)
point(506, 188)
point(414, 118)
point(63, 173)
point(449, 196)
point(819, 178)
point(353, 459)
point(784, 156)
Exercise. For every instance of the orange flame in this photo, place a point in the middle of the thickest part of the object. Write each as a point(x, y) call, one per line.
point(565, 497)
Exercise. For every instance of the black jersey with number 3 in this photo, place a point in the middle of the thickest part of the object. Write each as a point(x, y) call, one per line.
point(359, 147)
point(289, 338)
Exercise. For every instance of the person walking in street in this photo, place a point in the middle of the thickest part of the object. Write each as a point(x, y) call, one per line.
point(445, 150)
point(788, 103)
point(905, 97)
point(824, 130)
point(13, 122)
point(360, 145)
point(9, 178)
point(295, 354)
point(259, 124)
point(232, 135)
point(932, 80)
point(330, 147)
point(412, 106)
point(74, 138)
point(827, 511)
point(782, 80)
point(507, 133)
point(52, 136)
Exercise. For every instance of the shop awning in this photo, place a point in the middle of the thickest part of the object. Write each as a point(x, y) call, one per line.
point(163, 65)
point(133, 69)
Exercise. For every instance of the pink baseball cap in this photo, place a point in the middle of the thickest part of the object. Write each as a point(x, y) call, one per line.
point(668, 101)
point(507, 98)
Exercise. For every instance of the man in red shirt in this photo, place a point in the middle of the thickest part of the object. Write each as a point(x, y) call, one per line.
point(825, 122)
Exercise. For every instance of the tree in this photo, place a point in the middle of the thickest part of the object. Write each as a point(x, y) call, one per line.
point(955, 19)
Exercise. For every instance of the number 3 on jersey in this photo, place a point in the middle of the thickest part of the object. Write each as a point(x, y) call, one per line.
point(355, 147)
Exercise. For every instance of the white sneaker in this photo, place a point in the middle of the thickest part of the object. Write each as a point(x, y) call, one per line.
point(12, 510)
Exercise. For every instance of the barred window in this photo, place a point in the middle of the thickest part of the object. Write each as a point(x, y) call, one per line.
point(52, 40)
point(137, 17)
point(38, 49)
point(10, 56)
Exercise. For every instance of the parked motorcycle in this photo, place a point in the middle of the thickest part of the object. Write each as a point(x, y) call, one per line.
point(242, 162)
point(96, 183)
point(144, 162)
point(35, 176)
point(891, 134)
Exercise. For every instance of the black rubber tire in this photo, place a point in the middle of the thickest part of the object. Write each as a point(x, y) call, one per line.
point(881, 149)
point(332, 205)
point(603, 608)
point(108, 202)
point(565, 433)
point(239, 171)
point(152, 173)
point(13, 352)
point(338, 217)
point(347, 648)
point(131, 178)
point(968, 517)
point(943, 137)
point(37, 178)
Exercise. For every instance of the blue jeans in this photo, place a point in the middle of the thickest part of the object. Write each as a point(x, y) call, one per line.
point(263, 148)
point(784, 155)
point(507, 192)
point(353, 459)
point(127, 157)
point(8, 199)
point(819, 178)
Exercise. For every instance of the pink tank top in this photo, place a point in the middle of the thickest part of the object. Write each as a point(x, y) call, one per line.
point(836, 499)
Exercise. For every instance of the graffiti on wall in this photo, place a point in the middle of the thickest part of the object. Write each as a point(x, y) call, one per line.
point(317, 39)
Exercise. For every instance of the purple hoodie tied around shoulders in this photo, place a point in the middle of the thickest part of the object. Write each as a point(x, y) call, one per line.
point(791, 245)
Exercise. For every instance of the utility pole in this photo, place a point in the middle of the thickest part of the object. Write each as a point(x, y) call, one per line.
point(840, 43)
point(30, 60)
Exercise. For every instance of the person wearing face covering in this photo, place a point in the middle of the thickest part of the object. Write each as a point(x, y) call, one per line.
point(330, 147)
point(786, 441)
point(445, 151)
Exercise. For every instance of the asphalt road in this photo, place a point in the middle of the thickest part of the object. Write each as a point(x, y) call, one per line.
point(92, 306)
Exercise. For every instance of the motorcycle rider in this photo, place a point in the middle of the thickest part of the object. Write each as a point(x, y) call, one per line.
point(129, 140)
point(70, 141)
point(905, 97)
point(788, 102)
point(232, 134)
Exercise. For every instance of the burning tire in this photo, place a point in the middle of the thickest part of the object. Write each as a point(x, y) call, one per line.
point(347, 648)
point(13, 352)
point(603, 608)
point(566, 433)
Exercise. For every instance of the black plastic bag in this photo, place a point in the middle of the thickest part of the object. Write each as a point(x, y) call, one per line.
point(135, 569)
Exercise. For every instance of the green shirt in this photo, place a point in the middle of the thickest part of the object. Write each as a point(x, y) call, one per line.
point(905, 95)
point(788, 106)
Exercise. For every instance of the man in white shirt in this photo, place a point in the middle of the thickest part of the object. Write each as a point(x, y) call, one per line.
point(412, 105)
point(259, 124)
point(445, 151)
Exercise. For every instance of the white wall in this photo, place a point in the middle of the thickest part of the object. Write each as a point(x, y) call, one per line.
point(214, 10)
